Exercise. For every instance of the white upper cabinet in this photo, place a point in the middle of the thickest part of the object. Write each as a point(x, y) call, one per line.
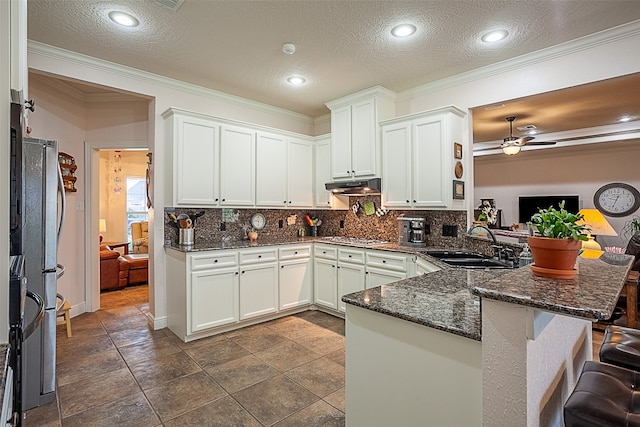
point(300, 173)
point(284, 171)
point(322, 171)
point(271, 170)
point(355, 132)
point(237, 166)
point(418, 159)
point(194, 160)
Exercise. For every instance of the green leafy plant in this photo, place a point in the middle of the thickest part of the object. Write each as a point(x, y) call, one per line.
point(631, 227)
point(559, 223)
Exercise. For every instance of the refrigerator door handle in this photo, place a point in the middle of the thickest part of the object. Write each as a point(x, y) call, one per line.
point(28, 330)
point(60, 271)
point(63, 203)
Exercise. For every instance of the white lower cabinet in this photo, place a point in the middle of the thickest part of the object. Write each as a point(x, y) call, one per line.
point(296, 276)
point(424, 267)
point(378, 277)
point(258, 290)
point(351, 278)
point(212, 298)
point(325, 282)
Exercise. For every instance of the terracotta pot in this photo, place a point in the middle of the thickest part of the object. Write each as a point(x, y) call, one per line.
point(554, 254)
point(252, 235)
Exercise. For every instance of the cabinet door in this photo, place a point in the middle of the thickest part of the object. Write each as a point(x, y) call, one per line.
point(271, 170)
point(341, 143)
point(428, 163)
point(364, 138)
point(258, 290)
point(295, 283)
point(300, 174)
point(196, 161)
point(325, 283)
point(212, 298)
point(379, 277)
point(424, 267)
point(350, 279)
point(396, 165)
point(322, 172)
point(237, 166)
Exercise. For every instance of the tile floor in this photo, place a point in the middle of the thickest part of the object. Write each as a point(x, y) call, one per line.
point(115, 370)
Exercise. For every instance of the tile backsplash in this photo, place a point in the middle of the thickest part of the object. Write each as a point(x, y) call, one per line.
point(217, 223)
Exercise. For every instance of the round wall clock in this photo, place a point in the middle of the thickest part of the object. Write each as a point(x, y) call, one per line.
point(617, 199)
point(258, 221)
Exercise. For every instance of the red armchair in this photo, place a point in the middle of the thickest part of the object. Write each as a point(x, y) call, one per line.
point(114, 270)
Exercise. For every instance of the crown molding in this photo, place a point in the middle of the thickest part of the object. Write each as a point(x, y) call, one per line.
point(604, 37)
point(38, 48)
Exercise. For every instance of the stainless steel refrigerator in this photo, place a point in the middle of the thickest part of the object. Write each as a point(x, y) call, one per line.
point(43, 217)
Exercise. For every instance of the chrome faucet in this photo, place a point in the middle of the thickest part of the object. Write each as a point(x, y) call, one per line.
point(498, 251)
point(493, 237)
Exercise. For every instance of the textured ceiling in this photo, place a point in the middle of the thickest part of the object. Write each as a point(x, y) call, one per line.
point(342, 46)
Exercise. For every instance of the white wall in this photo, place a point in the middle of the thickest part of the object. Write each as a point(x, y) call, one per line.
point(64, 116)
point(578, 170)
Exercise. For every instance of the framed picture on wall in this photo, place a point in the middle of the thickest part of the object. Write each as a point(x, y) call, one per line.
point(458, 189)
point(457, 150)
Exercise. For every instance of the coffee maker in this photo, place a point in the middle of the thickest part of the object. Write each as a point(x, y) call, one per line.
point(411, 231)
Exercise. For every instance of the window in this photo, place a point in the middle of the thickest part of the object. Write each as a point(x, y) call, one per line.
point(136, 202)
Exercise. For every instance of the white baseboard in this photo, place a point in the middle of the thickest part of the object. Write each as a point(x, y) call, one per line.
point(157, 322)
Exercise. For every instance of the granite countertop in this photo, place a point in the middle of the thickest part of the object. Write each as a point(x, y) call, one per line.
point(4, 359)
point(591, 294)
point(442, 300)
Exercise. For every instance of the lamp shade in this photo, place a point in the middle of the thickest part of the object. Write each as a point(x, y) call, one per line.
point(102, 225)
point(599, 226)
point(597, 223)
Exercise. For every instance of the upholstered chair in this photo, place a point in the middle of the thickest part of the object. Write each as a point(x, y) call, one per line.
point(140, 237)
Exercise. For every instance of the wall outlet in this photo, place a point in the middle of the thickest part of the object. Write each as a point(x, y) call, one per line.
point(342, 223)
point(280, 223)
point(450, 230)
point(223, 226)
point(427, 229)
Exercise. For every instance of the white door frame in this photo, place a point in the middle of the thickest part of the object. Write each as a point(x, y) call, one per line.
point(92, 212)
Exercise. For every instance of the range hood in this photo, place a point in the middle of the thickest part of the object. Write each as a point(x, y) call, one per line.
point(358, 187)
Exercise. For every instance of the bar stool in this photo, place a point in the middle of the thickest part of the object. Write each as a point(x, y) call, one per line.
point(66, 317)
point(621, 347)
point(605, 396)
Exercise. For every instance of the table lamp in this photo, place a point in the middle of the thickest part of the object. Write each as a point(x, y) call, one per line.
point(600, 227)
point(102, 227)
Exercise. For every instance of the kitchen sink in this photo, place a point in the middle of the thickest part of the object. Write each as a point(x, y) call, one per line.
point(465, 259)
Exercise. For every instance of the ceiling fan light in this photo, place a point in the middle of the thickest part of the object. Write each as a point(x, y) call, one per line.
point(511, 150)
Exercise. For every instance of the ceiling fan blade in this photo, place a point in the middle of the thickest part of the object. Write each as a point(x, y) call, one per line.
point(487, 148)
point(541, 143)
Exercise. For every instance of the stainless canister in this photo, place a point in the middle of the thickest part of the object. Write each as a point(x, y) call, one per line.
point(185, 236)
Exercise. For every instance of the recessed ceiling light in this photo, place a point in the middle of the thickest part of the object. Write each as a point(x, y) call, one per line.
point(403, 30)
point(296, 80)
point(123, 19)
point(494, 36)
point(625, 119)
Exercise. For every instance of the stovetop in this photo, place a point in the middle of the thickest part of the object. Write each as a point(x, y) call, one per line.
point(355, 241)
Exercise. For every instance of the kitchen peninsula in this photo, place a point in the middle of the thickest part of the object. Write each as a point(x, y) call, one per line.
point(512, 363)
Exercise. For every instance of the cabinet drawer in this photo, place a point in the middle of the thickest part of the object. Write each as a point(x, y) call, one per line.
point(262, 255)
point(388, 261)
point(351, 255)
point(294, 252)
point(323, 251)
point(213, 260)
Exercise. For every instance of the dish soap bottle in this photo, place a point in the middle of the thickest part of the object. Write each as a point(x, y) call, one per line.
point(525, 257)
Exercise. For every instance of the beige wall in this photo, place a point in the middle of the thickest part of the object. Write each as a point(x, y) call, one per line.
point(572, 170)
point(113, 205)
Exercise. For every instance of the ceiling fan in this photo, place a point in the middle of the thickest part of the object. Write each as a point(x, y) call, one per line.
point(511, 145)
